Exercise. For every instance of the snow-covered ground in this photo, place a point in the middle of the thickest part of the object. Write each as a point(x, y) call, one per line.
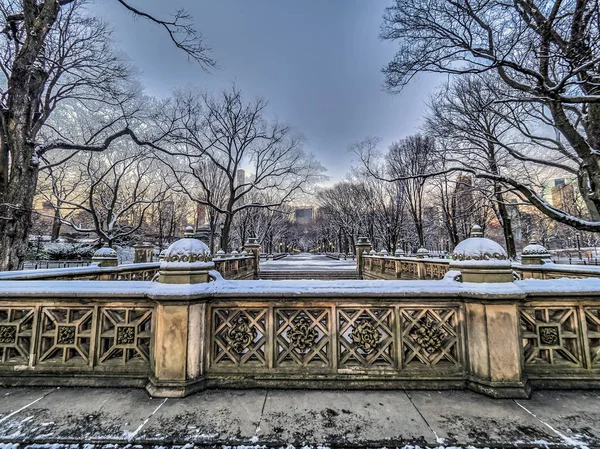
point(307, 262)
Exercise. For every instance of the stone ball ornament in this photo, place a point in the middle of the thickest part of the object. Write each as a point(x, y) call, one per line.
point(480, 251)
point(186, 253)
point(105, 253)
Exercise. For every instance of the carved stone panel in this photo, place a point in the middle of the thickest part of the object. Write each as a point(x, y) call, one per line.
point(551, 336)
point(592, 319)
point(16, 328)
point(239, 338)
point(430, 337)
point(302, 337)
point(65, 335)
point(125, 335)
point(366, 338)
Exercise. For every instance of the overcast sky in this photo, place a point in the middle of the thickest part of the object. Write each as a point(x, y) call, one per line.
point(317, 62)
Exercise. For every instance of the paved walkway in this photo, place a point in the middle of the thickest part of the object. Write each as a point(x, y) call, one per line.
point(68, 417)
point(307, 262)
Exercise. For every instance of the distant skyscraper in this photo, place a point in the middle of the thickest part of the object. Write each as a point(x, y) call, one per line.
point(304, 215)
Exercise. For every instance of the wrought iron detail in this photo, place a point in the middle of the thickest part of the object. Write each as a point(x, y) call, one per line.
point(302, 337)
point(8, 334)
point(365, 336)
point(428, 336)
point(240, 335)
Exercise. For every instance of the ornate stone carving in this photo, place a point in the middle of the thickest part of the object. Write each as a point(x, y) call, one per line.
point(549, 335)
point(429, 337)
point(8, 334)
point(240, 335)
point(125, 335)
point(365, 336)
point(66, 335)
point(302, 337)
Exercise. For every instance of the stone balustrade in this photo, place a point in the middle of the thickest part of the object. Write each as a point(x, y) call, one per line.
point(500, 339)
point(477, 328)
point(411, 268)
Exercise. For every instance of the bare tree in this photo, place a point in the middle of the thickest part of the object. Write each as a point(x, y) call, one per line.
point(50, 52)
point(545, 53)
point(107, 194)
point(406, 159)
point(248, 153)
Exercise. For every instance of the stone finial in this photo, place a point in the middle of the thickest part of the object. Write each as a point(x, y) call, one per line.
point(399, 252)
point(384, 252)
point(234, 253)
point(372, 252)
point(480, 259)
point(363, 241)
point(189, 232)
point(187, 261)
point(161, 255)
point(422, 252)
point(535, 253)
point(220, 254)
point(105, 257)
point(476, 231)
point(244, 253)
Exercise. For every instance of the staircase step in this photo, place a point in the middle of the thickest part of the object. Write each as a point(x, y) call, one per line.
point(319, 275)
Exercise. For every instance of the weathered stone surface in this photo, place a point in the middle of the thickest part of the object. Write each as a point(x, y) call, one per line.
point(575, 414)
point(79, 414)
point(213, 416)
point(342, 417)
point(462, 417)
point(69, 417)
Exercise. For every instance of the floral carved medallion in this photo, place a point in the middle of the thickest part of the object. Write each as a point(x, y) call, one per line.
point(8, 334)
point(365, 336)
point(429, 337)
point(302, 337)
point(240, 335)
point(66, 335)
point(549, 335)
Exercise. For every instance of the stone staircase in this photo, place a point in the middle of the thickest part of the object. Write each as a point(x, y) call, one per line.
point(322, 275)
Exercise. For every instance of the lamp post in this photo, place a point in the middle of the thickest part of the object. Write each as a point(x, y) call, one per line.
point(578, 236)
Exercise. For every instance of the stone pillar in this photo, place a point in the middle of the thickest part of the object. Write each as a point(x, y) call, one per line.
point(143, 252)
point(493, 327)
point(252, 246)
point(105, 257)
point(179, 335)
point(362, 246)
point(534, 254)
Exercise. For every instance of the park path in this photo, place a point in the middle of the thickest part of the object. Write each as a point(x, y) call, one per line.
point(308, 266)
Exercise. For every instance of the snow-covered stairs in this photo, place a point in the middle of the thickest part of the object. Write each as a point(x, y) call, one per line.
point(324, 275)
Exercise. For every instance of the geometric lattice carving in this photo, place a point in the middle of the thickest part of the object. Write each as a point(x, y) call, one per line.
point(16, 326)
point(366, 337)
point(65, 334)
point(239, 337)
point(125, 335)
point(430, 337)
point(592, 319)
point(551, 336)
point(302, 337)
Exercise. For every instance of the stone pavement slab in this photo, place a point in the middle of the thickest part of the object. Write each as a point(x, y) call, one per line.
point(91, 414)
point(575, 414)
point(463, 416)
point(227, 416)
point(80, 418)
point(342, 417)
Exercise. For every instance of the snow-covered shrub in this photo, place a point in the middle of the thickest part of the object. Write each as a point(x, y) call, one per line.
point(68, 251)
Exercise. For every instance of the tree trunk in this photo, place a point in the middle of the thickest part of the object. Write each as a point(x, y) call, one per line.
point(506, 222)
point(56, 224)
point(225, 232)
